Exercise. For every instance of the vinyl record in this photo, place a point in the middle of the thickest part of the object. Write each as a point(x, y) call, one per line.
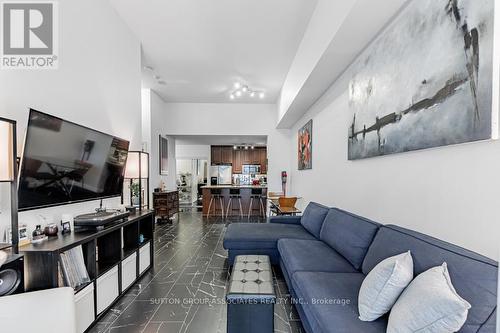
point(9, 281)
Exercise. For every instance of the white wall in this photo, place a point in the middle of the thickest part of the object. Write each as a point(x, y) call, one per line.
point(448, 192)
point(191, 152)
point(233, 119)
point(324, 24)
point(98, 84)
point(157, 128)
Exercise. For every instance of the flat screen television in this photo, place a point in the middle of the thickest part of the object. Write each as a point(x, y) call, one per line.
point(64, 162)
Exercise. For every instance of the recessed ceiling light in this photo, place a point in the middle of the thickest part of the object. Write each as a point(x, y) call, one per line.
point(244, 89)
point(231, 96)
point(238, 93)
point(252, 94)
point(237, 85)
point(261, 95)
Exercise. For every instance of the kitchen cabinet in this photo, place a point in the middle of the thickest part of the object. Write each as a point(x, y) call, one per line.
point(246, 157)
point(263, 160)
point(237, 165)
point(227, 155)
point(216, 155)
point(254, 156)
point(238, 157)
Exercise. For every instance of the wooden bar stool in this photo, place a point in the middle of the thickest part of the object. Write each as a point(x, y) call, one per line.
point(234, 193)
point(257, 195)
point(216, 195)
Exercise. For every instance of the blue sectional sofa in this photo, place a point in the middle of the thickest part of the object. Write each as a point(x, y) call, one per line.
point(326, 253)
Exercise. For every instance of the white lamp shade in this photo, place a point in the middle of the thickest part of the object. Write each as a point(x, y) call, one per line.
point(132, 169)
point(6, 148)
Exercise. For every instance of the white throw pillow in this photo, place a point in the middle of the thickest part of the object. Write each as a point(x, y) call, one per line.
point(383, 285)
point(430, 304)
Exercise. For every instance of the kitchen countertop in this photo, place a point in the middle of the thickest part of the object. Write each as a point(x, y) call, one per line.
point(235, 186)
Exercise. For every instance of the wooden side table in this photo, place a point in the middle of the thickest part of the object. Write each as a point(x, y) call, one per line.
point(166, 205)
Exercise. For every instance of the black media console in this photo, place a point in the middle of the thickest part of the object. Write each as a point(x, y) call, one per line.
point(115, 258)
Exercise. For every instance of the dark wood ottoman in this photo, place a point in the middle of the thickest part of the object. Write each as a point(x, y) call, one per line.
point(251, 297)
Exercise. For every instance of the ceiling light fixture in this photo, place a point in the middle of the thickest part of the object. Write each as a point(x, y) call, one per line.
point(243, 89)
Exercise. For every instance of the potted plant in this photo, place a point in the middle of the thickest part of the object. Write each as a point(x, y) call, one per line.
point(135, 190)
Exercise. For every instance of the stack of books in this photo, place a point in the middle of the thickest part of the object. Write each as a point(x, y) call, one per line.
point(73, 268)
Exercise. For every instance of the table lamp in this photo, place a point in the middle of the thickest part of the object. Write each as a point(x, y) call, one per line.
point(138, 168)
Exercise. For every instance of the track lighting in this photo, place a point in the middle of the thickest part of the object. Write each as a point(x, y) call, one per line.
point(242, 89)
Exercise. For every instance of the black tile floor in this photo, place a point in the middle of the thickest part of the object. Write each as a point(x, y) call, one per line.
point(184, 292)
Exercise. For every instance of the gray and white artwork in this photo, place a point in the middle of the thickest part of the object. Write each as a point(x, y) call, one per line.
point(426, 80)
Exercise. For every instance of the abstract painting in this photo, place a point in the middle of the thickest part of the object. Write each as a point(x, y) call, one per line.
point(426, 80)
point(163, 156)
point(305, 146)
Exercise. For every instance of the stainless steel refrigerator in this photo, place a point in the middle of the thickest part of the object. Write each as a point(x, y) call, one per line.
point(223, 173)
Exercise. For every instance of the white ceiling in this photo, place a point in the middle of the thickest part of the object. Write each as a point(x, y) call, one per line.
point(257, 140)
point(201, 47)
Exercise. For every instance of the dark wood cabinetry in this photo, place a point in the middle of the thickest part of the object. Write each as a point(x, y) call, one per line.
point(246, 157)
point(166, 204)
point(227, 155)
point(263, 160)
point(216, 155)
point(237, 161)
point(238, 157)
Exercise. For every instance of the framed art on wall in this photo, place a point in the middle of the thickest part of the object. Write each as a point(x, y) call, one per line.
point(305, 146)
point(163, 156)
point(426, 81)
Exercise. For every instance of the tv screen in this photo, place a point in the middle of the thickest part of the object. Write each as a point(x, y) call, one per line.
point(64, 162)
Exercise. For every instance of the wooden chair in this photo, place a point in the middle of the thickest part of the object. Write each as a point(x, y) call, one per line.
point(288, 202)
point(287, 205)
point(273, 204)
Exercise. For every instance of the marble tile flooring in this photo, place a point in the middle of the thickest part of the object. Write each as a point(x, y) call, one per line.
point(185, 290)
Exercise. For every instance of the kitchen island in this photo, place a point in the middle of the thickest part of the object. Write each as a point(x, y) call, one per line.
point(245, 192)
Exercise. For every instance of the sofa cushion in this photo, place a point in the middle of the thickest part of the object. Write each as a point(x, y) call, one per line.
point(349, 234)
point(331, 302)
point(313, 217)
point(311, 255)
point(242, 236)
point(474, 276)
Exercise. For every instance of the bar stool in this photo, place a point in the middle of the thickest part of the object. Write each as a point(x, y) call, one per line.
point(216, 194)
point(257, 195)
point(234, 193)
